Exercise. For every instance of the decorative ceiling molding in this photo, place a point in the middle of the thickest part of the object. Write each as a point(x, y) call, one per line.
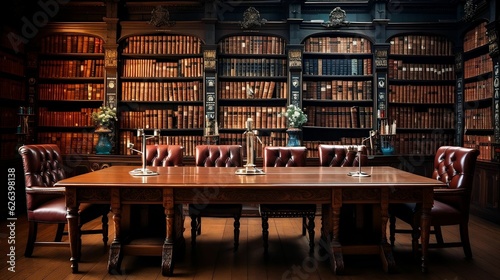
point(469, 10)
point(252, 19)
point(160, 17)
point(337, 18)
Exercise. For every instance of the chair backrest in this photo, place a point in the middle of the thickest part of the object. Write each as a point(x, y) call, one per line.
point(284, 156)
point(43, 167)
point(337, 155)
point(455, 167)
point(164, 155)
point(219, 156)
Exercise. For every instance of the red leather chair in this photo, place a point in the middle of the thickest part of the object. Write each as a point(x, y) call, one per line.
point(43, 167)
point(454, 166)
point(216, 156)
point(164, 155)
point(287, 157)
point(337, 155)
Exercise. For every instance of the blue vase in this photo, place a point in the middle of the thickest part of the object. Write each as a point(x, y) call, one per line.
point(103, 146)
point(293, 137)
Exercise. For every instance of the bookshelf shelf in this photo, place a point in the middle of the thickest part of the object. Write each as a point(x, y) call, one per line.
point(421, 92)
point(478, 92)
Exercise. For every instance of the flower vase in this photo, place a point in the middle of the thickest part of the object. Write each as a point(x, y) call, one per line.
point(103, 146)
point(293, 137)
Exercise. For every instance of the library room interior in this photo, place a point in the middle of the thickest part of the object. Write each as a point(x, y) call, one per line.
point(250, 139)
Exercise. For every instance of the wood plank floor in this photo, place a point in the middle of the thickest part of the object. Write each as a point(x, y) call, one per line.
point(213, 257)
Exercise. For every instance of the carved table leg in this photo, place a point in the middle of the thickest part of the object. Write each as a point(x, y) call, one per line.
point(115, 254)
point(428, 201)
point(73, 228)
point(385, 249)
point(336, 259)
point(167, 260)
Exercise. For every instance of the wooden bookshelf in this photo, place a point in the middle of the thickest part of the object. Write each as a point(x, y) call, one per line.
point(251, 83)
point(421, 93)
point(337, 90)
point(478, 92)
point(71, 87)
point(161, 88)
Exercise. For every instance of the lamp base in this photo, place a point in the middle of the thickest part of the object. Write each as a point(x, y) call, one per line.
point(249, 169)
point(358, 174)
point(142, 172)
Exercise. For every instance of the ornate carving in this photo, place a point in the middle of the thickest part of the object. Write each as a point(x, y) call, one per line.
point(294, 58)
point(349, 194)
point(336, 18)
point(110, 58)
point(160, 16)
point(209, 60)
point(469, 10)
point(251, 19)
point(493, 41)
point(141, 195)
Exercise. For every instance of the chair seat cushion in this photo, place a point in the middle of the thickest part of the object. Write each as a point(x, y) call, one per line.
point(441, 213)
point(287, 210)
point(52, 211)
point(215, 210)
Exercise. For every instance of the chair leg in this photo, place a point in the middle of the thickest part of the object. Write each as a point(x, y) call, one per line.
point(304, 225)
point(30, 244)
point(310, 229)
point(236, 232)
point(392, 229)
point(194, 230)
point(464, 237)
point(265, 231)
point(439, 235)
point(59, 232)
point(198, 225)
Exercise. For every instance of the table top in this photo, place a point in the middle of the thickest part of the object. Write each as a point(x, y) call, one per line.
point(275, 177)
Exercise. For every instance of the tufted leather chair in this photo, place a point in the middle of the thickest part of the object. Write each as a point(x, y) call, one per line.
point(43, 167)
point(287, 157)
point(337, 155)
point(216, 156)
point(454, 166)
point(164, 155)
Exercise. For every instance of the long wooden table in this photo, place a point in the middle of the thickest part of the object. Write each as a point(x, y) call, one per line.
point(174, 186)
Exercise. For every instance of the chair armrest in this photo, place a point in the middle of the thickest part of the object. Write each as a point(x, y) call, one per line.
point(444, 192)
point(45, 190)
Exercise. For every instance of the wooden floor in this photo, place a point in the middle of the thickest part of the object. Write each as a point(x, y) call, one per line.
point(288, 256)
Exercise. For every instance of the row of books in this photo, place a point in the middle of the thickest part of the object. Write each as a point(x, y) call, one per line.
point(479, 90)
point(11, 89)
point(86, 91)
point(337, 90)
point(8, 149)
point(252, 44)
point(401, 70)
point(162, 91)
point(81, 118)
point(8, 117)
point(422, 143)
point(339, 117)
point(186, 116)
point(421, 45)
point(263, 117)
point(162, 44)
point(478, 65)
point(71, 68)
point(480, 118)
point(252, 90)
point(11, 64)
point(71, 142)
point(252, 67)
point(422, 94)
point(67, 43)
point(184, 67)
point(337, 45)
point(476, 37)
point(409, 117)
point(338, 66)
point(481, 142)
